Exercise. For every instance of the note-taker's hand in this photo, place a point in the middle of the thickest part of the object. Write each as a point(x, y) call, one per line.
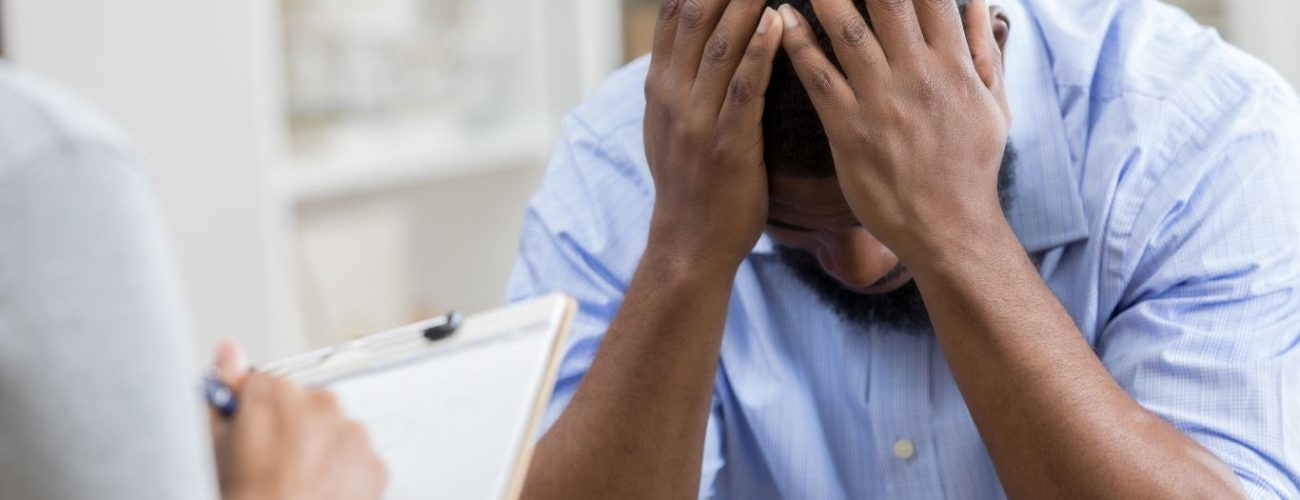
point(918, 120)
point(286, 442)
point(710, 68)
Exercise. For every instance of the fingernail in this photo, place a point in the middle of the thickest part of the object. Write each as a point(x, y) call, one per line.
point(766, 22)
point(231, 358)
point(225, 353)
point(788, 16)
point(241, 361)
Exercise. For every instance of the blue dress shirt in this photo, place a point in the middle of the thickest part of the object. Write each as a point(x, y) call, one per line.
point(1158, 191)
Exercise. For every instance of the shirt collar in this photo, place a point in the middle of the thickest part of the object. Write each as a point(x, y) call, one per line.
point(1047, 210)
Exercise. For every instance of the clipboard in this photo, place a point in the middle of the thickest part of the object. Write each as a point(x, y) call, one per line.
point(454, 418)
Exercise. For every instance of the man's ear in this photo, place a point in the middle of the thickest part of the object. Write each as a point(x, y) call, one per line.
point(1001, 28)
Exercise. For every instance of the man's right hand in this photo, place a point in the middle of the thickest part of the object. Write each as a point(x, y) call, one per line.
point(289, 443)
point(636, 426)
point(709, 71)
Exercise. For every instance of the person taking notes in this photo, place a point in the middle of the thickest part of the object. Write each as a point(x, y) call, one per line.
point(97, 391)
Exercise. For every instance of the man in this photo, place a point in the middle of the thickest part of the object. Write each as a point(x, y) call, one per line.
point(98, 397)
point(1120, 320)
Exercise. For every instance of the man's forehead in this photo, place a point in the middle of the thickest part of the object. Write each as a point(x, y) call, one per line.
point(808, 196)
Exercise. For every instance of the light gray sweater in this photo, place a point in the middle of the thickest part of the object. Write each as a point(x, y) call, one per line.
point(98, 396)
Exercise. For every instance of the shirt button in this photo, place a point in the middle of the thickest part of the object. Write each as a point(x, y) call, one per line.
point(904, 449)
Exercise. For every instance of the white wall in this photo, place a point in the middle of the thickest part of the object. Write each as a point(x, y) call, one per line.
point(597, 42)
point(1267, 28)
point(196, 83)
point(376, 262)
point(176, 75)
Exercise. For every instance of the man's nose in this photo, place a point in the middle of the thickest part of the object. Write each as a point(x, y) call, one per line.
point(855, 258)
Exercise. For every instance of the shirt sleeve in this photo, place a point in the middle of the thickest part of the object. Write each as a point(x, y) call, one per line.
point(583, 235)
point(1207, 334)
point(94, 355)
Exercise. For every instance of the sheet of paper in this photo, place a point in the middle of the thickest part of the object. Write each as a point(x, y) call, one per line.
point(454, 420)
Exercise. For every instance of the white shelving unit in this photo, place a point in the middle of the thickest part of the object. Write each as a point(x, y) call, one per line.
point(274, 237)
point(363, 171)
point(392, 193)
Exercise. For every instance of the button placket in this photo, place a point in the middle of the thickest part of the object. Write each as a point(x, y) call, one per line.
point(901, 416)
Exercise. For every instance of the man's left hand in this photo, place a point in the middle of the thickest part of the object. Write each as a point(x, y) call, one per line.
point(917, 121)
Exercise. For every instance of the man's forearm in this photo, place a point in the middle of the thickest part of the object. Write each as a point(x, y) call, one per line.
point(636, 425)
point(1054, 421)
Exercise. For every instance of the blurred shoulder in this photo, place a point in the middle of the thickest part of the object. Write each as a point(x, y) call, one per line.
point(1113, 49)
point(40, 119)
point(603, 149)
point(597, 194)
point(1143, 79)
point(618, 103)
point(1167, 122)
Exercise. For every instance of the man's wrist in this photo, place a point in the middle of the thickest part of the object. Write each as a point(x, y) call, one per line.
point(980, 249)
point(676, 267)
point(677, 252)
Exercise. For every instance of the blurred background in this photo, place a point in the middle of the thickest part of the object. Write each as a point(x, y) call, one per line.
point(332, 168)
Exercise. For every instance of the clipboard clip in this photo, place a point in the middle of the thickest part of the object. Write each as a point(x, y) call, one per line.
point(449, 325)
point(444, 329)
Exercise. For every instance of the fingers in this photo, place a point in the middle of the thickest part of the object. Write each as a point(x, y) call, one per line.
point(897, 29)
point(258, 386)
point(745, 95)
point(286, 433)
point(665, 35)
point(325, 401)
point(828, 89)
point(695, 25)
point(258, 400)
point(984, 49)
point(726, 46)
point(941, 23)
point(217, 426)
point(277, 397)
point(230, 363)
point(346, 445)
point(364, 472)
point(317, 413)
point(855, 43)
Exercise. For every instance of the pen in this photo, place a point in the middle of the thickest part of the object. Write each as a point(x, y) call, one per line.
point(220, 396)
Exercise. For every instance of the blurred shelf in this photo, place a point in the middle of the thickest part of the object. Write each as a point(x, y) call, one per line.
point(368, 160)
point(639, 18)
point(1209, 12)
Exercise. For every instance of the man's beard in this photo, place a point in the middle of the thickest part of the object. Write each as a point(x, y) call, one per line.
point(900, 310)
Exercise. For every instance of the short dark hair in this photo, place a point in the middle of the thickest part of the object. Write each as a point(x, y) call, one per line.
point(794, 140)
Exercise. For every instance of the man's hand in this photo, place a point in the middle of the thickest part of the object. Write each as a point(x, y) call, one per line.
point(289, 443)
point(918, 120)
point(709, 72)
point(918, 123)
point(636, 426)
